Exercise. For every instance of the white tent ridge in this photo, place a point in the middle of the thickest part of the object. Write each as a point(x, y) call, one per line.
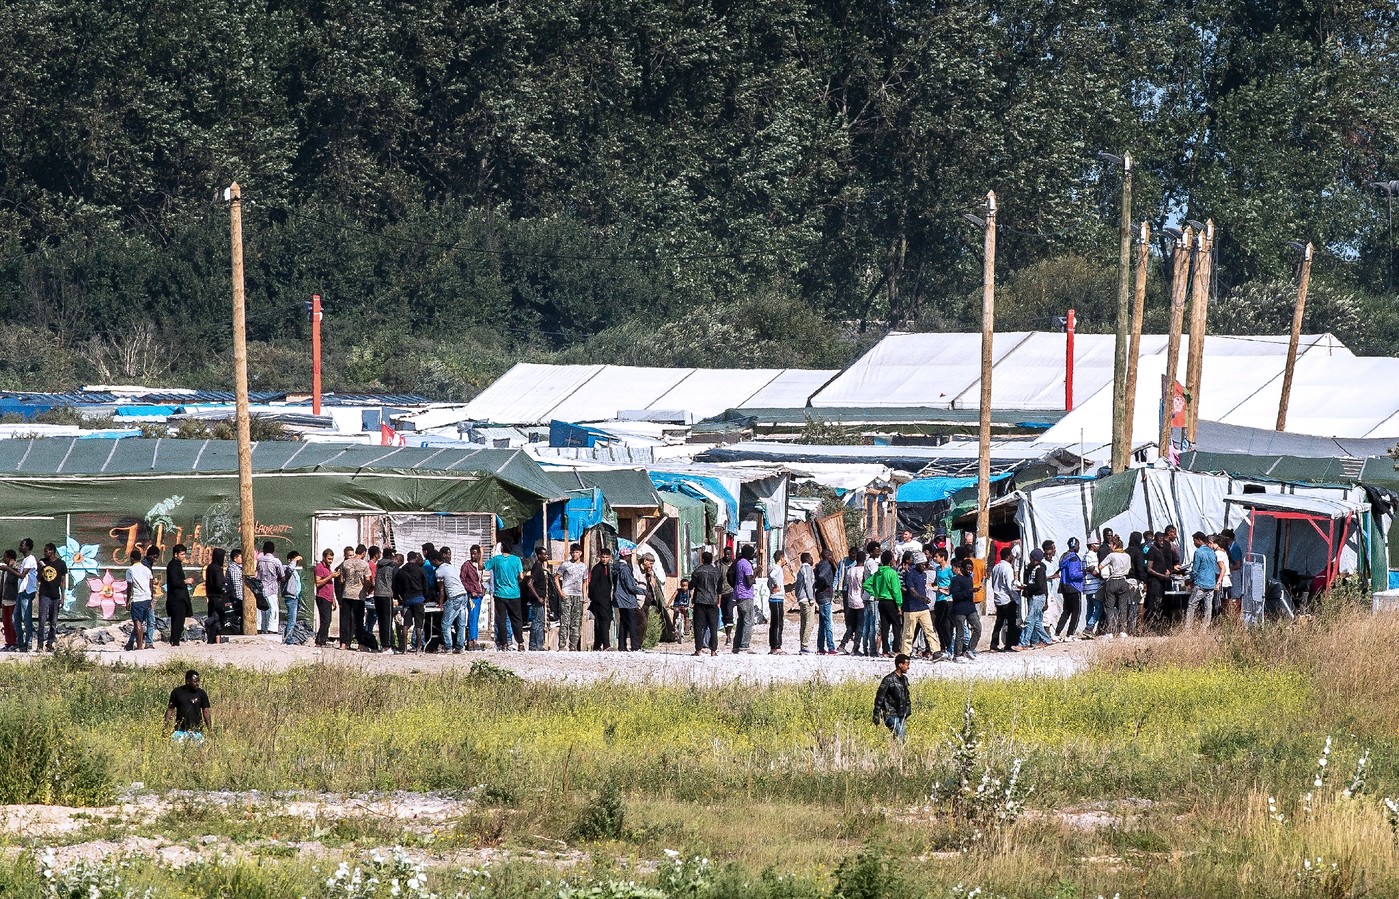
point(531, 393)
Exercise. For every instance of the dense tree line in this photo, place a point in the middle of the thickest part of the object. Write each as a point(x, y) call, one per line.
point(656, 181)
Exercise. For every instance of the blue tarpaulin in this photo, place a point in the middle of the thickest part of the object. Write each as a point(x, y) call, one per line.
point(932, 490)
point(584, 509)
point(698, 486)
point(565, 434)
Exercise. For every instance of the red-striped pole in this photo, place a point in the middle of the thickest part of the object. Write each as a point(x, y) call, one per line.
point(1069, 363)
point(316, 354)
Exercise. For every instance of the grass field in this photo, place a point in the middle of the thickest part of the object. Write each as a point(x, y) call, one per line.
point(1151, 773)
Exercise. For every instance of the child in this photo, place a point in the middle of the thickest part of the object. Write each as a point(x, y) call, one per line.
point(681, 609)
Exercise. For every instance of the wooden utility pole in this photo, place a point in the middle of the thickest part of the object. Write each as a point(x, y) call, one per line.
point(1180, 286)
point(1120, 450)
point(988, 332)
point(1134, 349)
point(1199, 315)
point(1296, 336)
point(234, 196)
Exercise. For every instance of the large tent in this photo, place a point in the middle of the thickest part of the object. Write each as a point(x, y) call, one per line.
point(531, 394)
point(939, 370)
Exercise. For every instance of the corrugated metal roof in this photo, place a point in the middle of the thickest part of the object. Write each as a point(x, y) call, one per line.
point(74, 457)
point(105, 398)
point(623, 488)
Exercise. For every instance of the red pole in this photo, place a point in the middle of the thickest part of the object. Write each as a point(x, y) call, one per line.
point(1069, 363)
point(316, 354)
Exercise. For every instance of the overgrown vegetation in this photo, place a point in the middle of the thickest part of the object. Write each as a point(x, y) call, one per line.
point(1190, 766)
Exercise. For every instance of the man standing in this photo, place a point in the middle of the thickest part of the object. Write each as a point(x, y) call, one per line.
point(506, 571)
point(452, 594)
point(826, 582)
point(537, 588)
point(727, 612)
point(138, 593)
point(806, 601)
point(600, 601)
point(892, 704)
point(354, 574)
point(1158, 580)
point(291, 579)
point(744, 577)
point(917, 614)
point(9, 590)
point(411, 586)
point(777, 603)
point(627, 595)
point(269, 574)
point(1120, 607)
point(906, 544)
point(24, 599)
point(966, 620)
point(1204, 577)
point(178, 605)
point(188, 710)
point(571, 578)
point(883, 588)
point(53, 578)
point(1006, 600)
point(325, 596)
point(704, 588)
point(470, 575)
point(385, 570)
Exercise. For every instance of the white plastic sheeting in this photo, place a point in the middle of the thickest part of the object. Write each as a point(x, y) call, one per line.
point(1240, 380)
point(536, 394)
point(1028, 371)
point(1189, 500)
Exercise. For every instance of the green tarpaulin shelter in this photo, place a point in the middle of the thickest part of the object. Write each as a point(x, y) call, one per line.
point(97, 499)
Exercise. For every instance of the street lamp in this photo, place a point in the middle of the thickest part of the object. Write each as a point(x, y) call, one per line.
point(1390, 188)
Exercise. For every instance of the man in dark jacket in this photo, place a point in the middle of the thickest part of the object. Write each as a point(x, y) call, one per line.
point(410, 584)
point(892, 704)
point(627, 596)
point(705, 583)
point(600, 601)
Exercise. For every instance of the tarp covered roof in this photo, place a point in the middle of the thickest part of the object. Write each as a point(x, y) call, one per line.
point(531, 393)
point(1323, 506)
point(623, 488)
point(51, 457)
point(1217, 437)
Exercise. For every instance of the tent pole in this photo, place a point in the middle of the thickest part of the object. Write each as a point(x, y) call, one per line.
point(1134, 349)
point(1295, 337)
point(988, 330)
point(1180, 284)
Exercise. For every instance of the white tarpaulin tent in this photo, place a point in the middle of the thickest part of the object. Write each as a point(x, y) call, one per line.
point(531, 394)
point(936, 370)
point(1191, 501)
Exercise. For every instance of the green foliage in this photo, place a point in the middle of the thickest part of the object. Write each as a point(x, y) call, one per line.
point(47, 761)
point(469, 185)
point(604, 818)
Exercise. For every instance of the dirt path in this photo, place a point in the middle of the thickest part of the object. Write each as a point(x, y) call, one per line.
point(667, 663)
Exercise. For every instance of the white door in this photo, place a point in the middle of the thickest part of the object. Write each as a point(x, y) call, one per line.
point(334, 533)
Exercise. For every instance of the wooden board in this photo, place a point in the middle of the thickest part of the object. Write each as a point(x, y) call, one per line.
point(832, 532)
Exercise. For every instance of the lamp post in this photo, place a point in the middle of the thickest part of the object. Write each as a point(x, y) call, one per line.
point(1390, 188)
point(1120, 451)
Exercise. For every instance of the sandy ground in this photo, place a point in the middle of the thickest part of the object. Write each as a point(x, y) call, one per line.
point(667, 663)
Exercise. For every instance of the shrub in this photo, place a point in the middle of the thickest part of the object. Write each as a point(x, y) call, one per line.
point(44, 761)
point(869, 875)
point(602, 819)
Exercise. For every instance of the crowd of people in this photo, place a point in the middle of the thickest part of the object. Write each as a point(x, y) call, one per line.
point(926, 600)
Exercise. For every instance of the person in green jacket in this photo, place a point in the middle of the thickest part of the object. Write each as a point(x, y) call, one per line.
point(884, 588)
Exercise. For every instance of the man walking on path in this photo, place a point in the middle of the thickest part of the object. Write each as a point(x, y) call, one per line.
point(892, 704)
point(744, 578)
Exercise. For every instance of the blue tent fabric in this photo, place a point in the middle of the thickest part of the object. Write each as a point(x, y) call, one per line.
point(932, 490)
point(684, 483)
point(584, 509)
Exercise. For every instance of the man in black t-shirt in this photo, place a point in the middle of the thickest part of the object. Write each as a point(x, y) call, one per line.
point(189, 710)
point(53, 581)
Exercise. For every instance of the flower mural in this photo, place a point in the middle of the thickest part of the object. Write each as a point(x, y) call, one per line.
point(81, 559)
point(106, 593)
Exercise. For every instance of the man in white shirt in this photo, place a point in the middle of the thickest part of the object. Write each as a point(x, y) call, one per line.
point(1222, 587)
point(1005, 597)
point(24, 599)
point(906, 544)
point(138, 593)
